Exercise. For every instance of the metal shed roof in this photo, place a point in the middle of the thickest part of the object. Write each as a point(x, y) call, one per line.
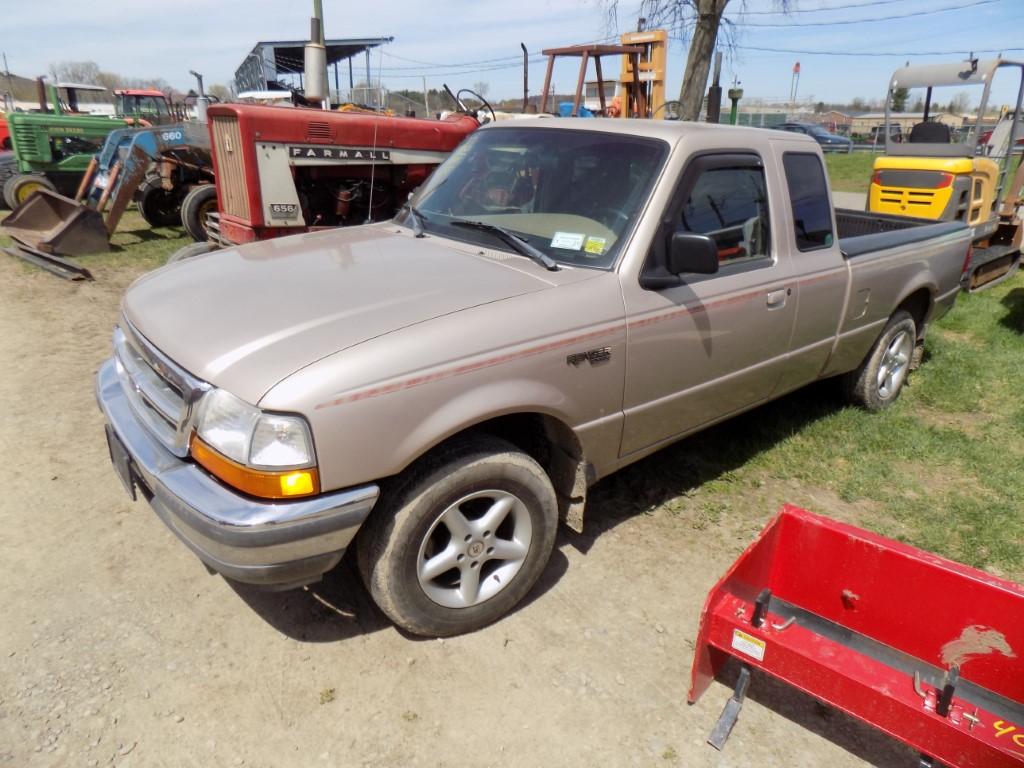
point(288, 55)
point(269, 59)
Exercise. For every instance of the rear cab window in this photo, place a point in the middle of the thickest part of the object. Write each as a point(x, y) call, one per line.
point(809, 199)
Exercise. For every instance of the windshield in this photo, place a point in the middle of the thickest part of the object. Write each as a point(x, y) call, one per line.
point(573, 195)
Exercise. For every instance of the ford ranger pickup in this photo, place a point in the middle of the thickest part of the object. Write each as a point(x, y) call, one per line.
point(558, 300)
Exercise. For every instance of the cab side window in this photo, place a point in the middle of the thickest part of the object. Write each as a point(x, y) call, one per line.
point(730, 205)
point(808, 195)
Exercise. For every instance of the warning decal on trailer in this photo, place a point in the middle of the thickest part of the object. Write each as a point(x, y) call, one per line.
point(748, 644)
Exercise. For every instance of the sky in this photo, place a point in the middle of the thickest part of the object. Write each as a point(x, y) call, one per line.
point(445, 39)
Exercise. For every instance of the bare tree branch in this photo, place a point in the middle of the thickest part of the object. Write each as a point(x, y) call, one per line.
point(698, 22)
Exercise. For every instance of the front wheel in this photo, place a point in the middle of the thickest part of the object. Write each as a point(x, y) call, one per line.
point(461, 539)
point(18, 188)
point(158, 206)
point(878, 381)
point(198, 203)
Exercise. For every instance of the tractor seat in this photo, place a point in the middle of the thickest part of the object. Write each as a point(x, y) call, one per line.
point(930, 133)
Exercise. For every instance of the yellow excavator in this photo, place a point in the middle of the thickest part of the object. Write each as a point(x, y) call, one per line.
point(957, 173)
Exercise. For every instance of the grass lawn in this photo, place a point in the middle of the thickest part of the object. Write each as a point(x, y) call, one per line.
point(849, 173)
point(943, 469)
point(134, 245)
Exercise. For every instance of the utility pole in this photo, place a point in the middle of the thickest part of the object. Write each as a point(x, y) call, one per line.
point(426, 99)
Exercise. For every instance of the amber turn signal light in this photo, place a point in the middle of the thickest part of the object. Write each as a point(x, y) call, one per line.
point(266, 484)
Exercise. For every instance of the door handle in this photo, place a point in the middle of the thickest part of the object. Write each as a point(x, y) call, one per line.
point(777, 299)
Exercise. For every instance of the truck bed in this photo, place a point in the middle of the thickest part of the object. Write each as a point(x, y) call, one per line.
point(861, 233)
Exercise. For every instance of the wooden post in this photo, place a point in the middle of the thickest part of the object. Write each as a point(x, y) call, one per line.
point(600, 82)
point(579, 84)
point(547, 84)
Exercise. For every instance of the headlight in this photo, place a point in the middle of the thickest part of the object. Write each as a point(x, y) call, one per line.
point(263, 454)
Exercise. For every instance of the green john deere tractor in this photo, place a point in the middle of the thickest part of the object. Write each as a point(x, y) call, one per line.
point(52, 147)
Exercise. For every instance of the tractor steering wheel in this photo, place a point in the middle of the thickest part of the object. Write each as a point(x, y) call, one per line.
point(478, 97)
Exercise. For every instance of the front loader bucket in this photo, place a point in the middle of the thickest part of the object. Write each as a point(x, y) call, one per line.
point(55, 224)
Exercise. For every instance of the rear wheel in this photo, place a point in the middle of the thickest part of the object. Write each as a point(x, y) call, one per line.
point(18, 188)
point(460, 538)
point(197, 204)
point(159, 207)
point(877, 383)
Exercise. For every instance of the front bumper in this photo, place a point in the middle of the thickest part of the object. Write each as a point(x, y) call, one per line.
point(273, 543)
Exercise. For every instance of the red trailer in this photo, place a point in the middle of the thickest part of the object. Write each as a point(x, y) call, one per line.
point(927, 650)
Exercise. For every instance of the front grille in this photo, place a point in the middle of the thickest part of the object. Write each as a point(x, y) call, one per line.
point(163, 396)
point(232, 193)
point(23, 140)
point(906, 197)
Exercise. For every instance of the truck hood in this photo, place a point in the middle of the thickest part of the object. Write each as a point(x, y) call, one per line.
point(245, 318)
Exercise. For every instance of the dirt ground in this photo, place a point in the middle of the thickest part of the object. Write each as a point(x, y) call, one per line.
point(117, 648)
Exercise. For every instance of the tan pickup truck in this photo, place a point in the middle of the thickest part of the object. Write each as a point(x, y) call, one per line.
point(560, 299)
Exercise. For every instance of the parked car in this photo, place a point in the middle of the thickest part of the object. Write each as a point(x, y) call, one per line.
point(558, 300)
point(829, 142)
point(877, 135)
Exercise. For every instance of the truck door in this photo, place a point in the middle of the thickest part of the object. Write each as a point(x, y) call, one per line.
point(710, 345)
point(821, 287)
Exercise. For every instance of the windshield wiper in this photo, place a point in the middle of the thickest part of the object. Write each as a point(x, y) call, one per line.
point(418, 219)
point(518, 244)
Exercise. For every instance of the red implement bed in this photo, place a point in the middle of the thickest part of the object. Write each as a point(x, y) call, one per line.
point(923, 648)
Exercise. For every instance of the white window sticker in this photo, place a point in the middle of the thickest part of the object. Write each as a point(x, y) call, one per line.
point(748, 644)
point(569, 241)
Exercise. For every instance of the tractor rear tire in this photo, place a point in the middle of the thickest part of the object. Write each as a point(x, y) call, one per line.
point(197, 203)
point(18, 188)
point(158, 207)
point(8, 168)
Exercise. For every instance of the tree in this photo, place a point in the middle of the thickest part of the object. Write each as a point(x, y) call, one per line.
point(84, 72)
point(959, 104)
point(481, 88)
point(700, 21)
point(899, 99)
point(858, 105)
point(219, 91)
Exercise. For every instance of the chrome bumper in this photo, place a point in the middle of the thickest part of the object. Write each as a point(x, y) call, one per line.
point(281, 544)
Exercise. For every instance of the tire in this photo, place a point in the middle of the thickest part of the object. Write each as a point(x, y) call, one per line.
point(497, 499)
point(877, 383)
point(8, 168)
point(158, 207)
point(18, 188)
point(189, 251)
point(197, 203)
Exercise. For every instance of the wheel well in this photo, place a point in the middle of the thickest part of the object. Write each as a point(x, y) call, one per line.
point(552, 444)
point(918, 304)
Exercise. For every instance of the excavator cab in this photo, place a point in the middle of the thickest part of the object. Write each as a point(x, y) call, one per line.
point(948, 168)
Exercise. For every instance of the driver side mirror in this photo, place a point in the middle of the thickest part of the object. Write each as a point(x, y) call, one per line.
point(690, 252)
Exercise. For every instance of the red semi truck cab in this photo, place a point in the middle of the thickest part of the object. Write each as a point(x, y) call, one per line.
point(283, 170)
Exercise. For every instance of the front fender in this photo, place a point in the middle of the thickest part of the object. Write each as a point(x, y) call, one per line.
point(476, 405)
